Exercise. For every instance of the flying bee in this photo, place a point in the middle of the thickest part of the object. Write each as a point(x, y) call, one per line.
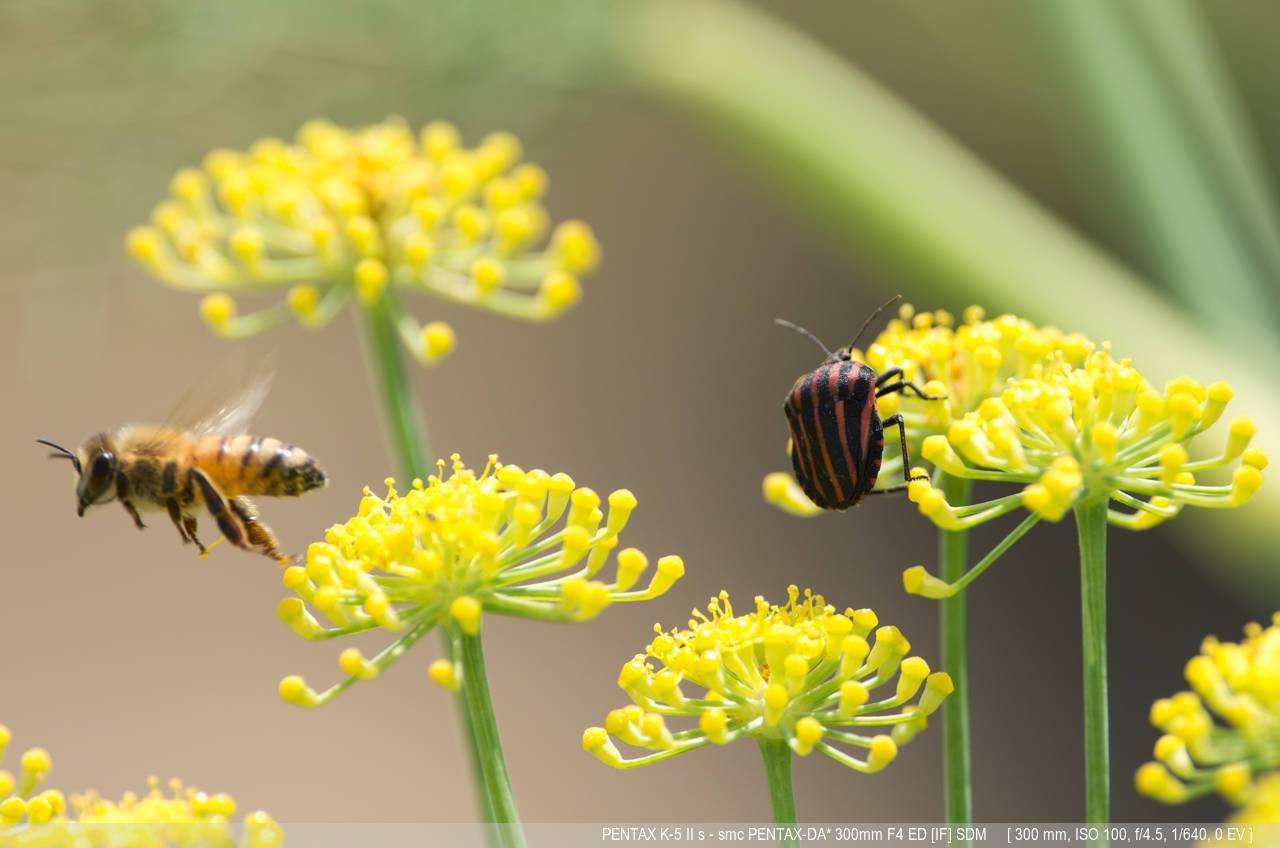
point(199, 458)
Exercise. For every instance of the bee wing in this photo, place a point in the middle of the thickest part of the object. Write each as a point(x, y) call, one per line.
point(224, 402)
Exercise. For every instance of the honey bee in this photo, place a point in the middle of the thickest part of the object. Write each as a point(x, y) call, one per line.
point(208, 463)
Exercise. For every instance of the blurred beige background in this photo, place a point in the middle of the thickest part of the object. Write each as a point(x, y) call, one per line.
point(126, 656)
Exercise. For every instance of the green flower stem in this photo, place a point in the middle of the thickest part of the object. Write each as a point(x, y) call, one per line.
point(953, 557)
point(1091, 524)
point(493, 767)
point(407, 435)
point(777, 771)
point(405, 426)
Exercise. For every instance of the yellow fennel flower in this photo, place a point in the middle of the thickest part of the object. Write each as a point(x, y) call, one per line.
point(504, 540)
point(367, 214)
point(800, 672)
point(964, 365)
point(23, 799)
point(1239, 684)
point(32, 817)
point(1097, 432)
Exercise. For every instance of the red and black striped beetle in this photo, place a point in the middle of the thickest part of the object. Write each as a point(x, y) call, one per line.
point(837, 436)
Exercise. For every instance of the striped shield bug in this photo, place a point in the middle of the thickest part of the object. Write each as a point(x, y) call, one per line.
point(837, 436)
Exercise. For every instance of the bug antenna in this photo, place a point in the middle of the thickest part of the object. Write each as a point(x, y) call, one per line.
point(802, 331)
point(865, 324)
point(62, 453)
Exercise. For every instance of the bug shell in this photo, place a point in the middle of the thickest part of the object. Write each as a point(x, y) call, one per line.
point(837, 439)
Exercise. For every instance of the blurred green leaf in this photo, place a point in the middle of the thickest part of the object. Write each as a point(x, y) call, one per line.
point(1180, 158)
point(1230, 143)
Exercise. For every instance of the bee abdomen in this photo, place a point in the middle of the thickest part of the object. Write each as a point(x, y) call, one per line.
point(254, 465)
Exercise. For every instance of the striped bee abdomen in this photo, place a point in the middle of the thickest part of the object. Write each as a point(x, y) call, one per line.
point(254, 465)
point(836, 435)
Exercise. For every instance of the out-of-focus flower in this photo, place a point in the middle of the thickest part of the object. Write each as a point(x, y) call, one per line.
point(1263, 806)
point(370, 214)
point(22, 798)
point(963, 364)
point(455, 547)
point(1237, 755)
point(800, 672)
point(1098, 431)
point(32, 817)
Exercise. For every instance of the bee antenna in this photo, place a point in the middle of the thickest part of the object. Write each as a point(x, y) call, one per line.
point(865, 324)
point(62, 453)
point(802, 331)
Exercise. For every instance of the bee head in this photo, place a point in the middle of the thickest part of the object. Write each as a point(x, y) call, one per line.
point(96, 464)
point(97, 473)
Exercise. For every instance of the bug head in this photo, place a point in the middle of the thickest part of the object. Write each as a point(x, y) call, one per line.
point(95, 463)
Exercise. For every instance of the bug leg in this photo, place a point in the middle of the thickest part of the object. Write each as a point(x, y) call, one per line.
point(175, 515)
point(888, 490)
point(904, 386)
point(218, 507)
point(122, 492)
point(888, 376)
point(896, 421)
point(260, 536)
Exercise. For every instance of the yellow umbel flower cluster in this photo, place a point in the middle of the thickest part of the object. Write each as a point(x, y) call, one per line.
point(22, 800)
point(1066, 433)
point(366, 213)
point(1095, 431)
point(1240, 684)
point(31, 817)
point(800, 672)
point(187, 816)
point(964, 364)
point(455, 547)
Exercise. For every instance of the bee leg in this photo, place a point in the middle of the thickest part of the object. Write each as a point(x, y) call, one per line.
point(260, 536)
point(896, 421)
point(217, 505)
point(175, 515)
point(186, 525)
point(122, 493)
point(190, 525)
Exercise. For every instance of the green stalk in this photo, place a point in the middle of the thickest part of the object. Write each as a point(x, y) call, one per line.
point(406, 429)
point(953, 558)
point(1091, 525)
point(777, 772)
point(493, 767)
point(407, 436)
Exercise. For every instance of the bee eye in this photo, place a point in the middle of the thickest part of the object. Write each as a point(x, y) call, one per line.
point(103, 465)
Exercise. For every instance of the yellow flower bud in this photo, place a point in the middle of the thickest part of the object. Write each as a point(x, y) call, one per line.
point(487, 274)
point(438, 341)
point(560, 290)
point(576, 247)
point(371, 279)
point(445, 674)
point(218, 311)
point(466, 612)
